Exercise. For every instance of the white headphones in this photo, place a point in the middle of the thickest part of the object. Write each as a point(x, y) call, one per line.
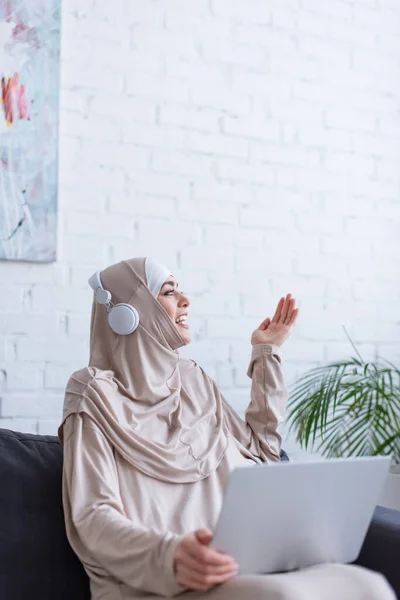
point(122, 318)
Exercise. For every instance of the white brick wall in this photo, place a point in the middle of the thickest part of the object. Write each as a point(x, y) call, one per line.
point(253, 146)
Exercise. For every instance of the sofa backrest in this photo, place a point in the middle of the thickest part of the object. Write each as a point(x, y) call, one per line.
point(36, 560)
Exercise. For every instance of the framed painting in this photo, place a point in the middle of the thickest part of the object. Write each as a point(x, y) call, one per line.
point(29, 118)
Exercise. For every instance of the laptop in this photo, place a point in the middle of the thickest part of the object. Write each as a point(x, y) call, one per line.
point(285, 516)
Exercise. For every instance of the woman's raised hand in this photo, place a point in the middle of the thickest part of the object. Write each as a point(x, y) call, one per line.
point(198, 567)
point(278, 330)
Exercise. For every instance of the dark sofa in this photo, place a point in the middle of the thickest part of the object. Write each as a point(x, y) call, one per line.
point(36, 561)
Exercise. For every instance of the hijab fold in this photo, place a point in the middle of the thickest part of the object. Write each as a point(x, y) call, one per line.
point(161, 413)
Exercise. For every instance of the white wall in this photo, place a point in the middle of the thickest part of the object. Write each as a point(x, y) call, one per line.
point(253, 146)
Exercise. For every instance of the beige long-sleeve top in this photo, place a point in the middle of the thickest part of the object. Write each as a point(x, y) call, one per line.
point(124, 525)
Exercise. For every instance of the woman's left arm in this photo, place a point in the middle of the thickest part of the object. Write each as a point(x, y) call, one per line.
point(267, 407)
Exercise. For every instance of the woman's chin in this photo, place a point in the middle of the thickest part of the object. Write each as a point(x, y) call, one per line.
point(187, 337)
point(185, 333)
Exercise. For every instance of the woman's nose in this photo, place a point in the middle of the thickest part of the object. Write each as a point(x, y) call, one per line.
point(184, 301)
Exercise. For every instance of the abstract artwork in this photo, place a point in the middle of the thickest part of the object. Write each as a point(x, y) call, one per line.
point(29, 116)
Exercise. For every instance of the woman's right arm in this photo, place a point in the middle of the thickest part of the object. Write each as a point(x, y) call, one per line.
point(139, 557)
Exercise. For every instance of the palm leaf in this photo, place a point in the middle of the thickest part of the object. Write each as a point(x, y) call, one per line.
point(348, 408)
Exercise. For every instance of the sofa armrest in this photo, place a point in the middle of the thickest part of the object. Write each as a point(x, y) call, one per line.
point(381, 548)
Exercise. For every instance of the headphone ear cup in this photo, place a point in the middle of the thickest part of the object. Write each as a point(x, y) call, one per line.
point(123, 319)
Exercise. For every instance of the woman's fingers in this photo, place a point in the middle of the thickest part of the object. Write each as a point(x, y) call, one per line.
point(197, 568)
point(265, 324)
point(204, 536)
point(211, 557)
point(201, 568)
point(203, 554)
point(187, 578)
point(285, 308)
point(278, 311)
point(191, 580)
point(294, 316)
point(283, 313)
point(292, 307)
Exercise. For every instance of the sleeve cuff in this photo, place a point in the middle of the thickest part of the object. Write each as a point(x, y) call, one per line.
point(172, 587)
point(260, 350)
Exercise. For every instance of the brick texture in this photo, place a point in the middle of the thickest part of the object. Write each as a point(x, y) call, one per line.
point(254, 146)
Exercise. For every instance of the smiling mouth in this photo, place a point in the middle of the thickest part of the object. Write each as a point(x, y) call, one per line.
point(181, 322)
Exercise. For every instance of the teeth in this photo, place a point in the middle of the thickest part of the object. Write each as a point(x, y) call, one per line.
point(181, 319)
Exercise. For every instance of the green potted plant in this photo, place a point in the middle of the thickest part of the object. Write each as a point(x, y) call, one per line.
point(351, 408)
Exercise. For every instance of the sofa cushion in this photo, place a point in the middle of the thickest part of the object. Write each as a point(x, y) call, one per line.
point(36, 560)
point(381, 548)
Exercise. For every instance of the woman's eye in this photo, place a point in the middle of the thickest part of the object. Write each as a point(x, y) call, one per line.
point(169, 292)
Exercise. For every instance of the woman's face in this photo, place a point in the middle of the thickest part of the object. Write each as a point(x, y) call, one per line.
point(176, 305)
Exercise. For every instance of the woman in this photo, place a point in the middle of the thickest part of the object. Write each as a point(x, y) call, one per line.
point(149, 443)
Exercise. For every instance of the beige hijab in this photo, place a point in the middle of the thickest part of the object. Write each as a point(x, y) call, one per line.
point(163, 415)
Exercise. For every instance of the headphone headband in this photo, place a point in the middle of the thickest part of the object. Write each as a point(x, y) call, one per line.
point(102, 296)
point(95, 281)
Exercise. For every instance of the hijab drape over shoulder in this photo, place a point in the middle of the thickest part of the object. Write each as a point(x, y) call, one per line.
point(133, 389)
